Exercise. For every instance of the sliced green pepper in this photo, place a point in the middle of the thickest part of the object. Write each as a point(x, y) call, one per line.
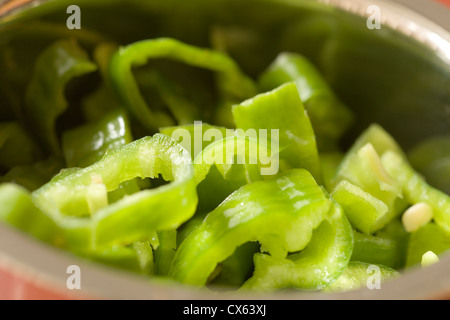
point(172, 95)
point(330, 118)
point(103, 100)
point(45, 96)
point(395, 231)
point(362, 185)
point(316, 267)
point(281, 213)
point(193, 136)
point(430, 237)
point(416, 189)
point(228, 164)
point(234, 83)
point(236, 269)
point(85, 145)
point(79, 196)
point(379, 138)
point(137, 257)
point(255, 158)
point(297, 142)
point(17, 209)
point(366, 212)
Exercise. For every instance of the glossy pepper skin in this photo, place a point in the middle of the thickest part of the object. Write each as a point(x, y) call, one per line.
point(45, 99)
point(281, 213)
point(77, 199)
point(85, 145)
point(330, 117)
point(233, 83)
point(323, 260)
point(296, 139)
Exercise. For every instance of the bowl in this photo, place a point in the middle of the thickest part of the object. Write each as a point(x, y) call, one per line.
point(388, 60)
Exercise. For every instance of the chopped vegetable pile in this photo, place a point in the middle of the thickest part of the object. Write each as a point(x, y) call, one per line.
point(166, 159)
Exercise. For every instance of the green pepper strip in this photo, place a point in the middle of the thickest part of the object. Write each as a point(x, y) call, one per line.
point(228, 153)
point(416, 189)
point(85, 145)
point(103, 100)
point(280, 213)
point(329, 116)
point(369, 195)
point(17, 209)
point(188, 135)
point(173, 96)
point(236, 83)
point(226, 165)
point(77, 199)
point(316, 267)
point(297, 142)
point(366, 212)
point(45, 100)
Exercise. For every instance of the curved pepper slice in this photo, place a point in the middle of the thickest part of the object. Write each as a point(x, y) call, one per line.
point(284, 112)
point(366, 212)
point(367, 192)
point(45, 99)
point(228, 164)
point(316, 267)
point(236, 269)
point(195, 137)
point(85, 145)
point(329, 116)
point(280, 213)
point(234, 82)
point(79, 196)
point(103, 100)
point(17, 209)
point(230, 152)
point(161, 90)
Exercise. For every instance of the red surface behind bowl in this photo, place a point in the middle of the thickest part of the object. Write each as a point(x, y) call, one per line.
point(447, 2)
point(14, 286)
